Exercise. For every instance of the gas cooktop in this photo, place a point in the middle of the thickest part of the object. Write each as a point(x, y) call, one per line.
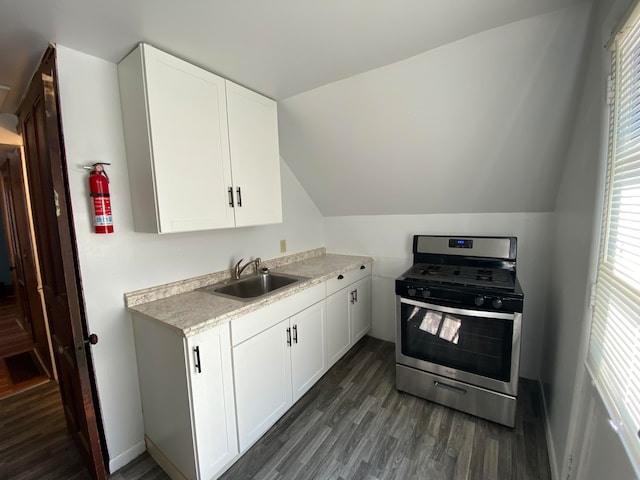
point(462, 275)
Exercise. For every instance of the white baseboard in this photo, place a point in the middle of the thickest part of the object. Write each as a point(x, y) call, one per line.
point(166, 464)
point(125, 457)
point(553, 461)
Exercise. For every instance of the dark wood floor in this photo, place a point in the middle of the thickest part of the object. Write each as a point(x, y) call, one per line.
point(352, 424)
point(16, 340)
point(13, 337)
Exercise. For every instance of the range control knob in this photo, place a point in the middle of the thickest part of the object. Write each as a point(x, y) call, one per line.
point(411, 292)
point(497, 303)
point(426, 293)
point(479, 300)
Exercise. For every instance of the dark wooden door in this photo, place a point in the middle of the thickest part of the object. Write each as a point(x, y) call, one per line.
point(22, 257)
point(55, 241)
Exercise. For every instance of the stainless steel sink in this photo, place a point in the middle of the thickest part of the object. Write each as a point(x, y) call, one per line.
point(253, 287)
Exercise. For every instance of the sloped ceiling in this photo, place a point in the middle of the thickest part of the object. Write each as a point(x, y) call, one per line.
point(477, 125)
point(279, 48)
point(410, 106)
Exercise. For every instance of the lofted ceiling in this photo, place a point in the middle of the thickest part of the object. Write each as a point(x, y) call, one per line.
point(385, 107)
point(479, 125)
point(278, 48)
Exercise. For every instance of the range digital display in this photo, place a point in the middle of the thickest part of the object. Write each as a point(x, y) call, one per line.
point(460, 243)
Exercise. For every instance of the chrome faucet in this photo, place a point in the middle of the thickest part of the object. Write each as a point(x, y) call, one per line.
point(237, 270)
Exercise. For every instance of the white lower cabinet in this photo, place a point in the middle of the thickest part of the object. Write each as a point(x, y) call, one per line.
point(188, 405)
point(308, 357)
point(274, 368)
point(360, 308)
point(212, 400)
point(338, 327)
point(208, 397)
point(263, 382)
point(348, 310)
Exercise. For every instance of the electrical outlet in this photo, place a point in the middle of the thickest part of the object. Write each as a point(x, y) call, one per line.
point(283, 246)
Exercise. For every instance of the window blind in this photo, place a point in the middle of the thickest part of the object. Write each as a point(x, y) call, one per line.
point(613, 358)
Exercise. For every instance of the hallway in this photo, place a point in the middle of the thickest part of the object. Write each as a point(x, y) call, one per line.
point(19, 366)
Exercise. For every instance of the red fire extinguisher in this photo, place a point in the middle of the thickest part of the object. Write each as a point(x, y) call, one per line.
point(99, 187)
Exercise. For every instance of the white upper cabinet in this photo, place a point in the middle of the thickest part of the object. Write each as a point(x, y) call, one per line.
point(202, 152)
point(255, 155)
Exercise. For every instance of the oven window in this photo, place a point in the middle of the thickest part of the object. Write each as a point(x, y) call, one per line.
point(476, 345)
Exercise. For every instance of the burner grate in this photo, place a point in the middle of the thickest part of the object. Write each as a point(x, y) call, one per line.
point(463, 275)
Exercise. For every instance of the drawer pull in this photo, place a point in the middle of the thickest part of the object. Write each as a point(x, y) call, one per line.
point(450, 387)
point(362, 267)
point(340, 277)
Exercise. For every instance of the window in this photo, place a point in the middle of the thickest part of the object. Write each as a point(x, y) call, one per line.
point(614, 346)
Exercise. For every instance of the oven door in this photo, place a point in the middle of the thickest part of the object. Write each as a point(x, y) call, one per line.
point(473, 346)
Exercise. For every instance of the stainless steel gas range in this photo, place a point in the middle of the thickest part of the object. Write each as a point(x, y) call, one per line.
point(459, 319)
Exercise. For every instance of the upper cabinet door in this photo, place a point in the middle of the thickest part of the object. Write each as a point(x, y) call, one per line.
point(187, 115)
point(255, 156)
point(176, 133)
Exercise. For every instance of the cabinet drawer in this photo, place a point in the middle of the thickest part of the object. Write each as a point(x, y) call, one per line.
point(260, 320)
point(339, 282)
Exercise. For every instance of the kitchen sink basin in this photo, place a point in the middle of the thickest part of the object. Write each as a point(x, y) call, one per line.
point(253, 287)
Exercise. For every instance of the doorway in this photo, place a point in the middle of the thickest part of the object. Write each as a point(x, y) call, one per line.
point(25, 355)
point(60, 288)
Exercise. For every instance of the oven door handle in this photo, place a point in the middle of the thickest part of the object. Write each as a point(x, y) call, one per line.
point(458, 311)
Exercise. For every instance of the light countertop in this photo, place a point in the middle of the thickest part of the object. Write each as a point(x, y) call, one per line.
point(193, 311)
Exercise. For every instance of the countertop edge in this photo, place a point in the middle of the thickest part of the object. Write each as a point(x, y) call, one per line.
point(236, 308)
point(158, 292)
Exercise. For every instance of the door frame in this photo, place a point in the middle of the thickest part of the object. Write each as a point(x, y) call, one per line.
point(96, 453)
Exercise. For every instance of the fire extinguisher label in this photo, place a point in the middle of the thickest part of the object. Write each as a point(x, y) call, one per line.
point(103, 221)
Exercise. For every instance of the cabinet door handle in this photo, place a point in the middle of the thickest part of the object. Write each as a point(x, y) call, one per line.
point(353, 296)
point(196, 352)
point(288, 336)
point(355, 293)
point(239, 194)
point(295, 334)
point(340, 277)
point(230, 190)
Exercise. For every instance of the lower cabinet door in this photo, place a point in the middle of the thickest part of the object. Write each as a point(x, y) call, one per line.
point(214, 422)
point(338, 327)
point(262, 370)
point(360, 308)
point(308, 354)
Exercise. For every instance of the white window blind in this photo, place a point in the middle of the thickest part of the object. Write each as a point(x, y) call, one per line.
point(614, 347)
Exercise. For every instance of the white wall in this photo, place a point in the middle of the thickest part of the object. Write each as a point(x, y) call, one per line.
point(111, 265)
point(574, 250)
point(475, 126)
point(388, 239)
